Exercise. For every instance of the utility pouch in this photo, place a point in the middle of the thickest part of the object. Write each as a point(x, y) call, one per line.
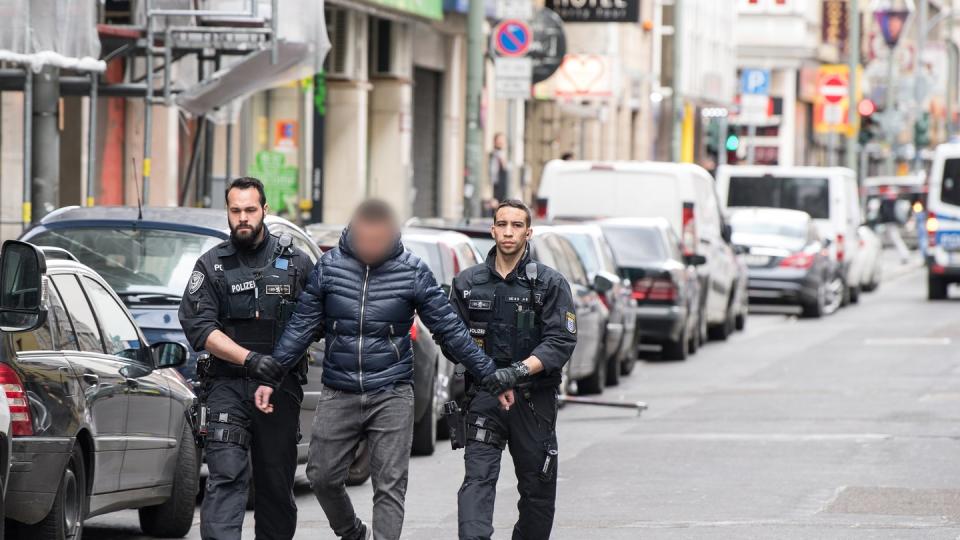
point(549, 467)
point(456, 424)
point(197, 417)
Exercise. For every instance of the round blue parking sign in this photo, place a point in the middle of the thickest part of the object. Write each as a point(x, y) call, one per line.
point(512, 38)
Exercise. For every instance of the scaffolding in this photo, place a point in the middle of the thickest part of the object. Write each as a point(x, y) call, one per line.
point(220, 35)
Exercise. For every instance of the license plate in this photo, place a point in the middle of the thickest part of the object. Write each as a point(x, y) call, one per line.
point(949, 241)
point(756, 260)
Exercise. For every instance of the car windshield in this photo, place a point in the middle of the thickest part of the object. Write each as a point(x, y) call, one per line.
point(811, 195)
point(152, 263)
point(587, 251)
point(635, 245)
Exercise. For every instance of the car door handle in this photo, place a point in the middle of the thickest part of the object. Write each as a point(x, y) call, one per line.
point(91, 378)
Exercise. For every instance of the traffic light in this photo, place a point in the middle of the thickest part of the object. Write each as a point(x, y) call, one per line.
point(921, 131)
point(733, 141)
point(868, 126)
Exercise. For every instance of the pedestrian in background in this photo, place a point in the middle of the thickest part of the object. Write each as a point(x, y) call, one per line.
point(499, 169)
point(362, 295)
point(237, 301)
point(522, 313)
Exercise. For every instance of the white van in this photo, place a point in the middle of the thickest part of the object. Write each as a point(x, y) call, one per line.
point(943, 221)
point(682, 193)
point(829, 194)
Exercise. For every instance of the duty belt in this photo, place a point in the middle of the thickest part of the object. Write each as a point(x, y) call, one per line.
point(223, 369)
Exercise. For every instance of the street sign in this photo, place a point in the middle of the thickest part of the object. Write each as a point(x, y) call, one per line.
point(834, 89)
point(512, 38)
point(833, 100)
point(549, 44)
point(513, 77)
point(514, 9)
point(755, 81)
point(574, 11)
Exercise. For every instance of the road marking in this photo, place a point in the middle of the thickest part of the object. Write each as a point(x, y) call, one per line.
point(910, 341)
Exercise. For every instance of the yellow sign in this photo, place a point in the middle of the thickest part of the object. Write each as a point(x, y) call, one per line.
point(832, 102)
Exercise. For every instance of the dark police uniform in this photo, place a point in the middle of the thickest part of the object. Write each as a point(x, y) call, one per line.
point(530, 312)
point(248, 295)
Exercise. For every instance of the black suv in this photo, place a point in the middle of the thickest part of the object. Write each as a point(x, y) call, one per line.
point(98, 415)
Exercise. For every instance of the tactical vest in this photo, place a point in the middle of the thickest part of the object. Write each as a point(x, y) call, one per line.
point(259, 301)
point(505, 316)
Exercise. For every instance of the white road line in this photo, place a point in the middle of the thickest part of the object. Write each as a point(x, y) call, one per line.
point(910, 341)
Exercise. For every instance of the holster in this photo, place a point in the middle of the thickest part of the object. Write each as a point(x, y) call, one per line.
point(456, 423)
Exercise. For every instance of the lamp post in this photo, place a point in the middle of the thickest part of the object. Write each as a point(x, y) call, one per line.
point(892, 16)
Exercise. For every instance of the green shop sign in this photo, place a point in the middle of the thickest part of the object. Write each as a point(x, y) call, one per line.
point(279, 180)
point(431, 9)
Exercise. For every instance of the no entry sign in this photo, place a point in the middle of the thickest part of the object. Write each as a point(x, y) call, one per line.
point(512, 38)
point(834, 90)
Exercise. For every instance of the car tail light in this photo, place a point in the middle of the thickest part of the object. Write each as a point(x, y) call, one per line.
point(932, 225)
point(841, 248)
point(542, 207)
point(413, 331)
point(654, 290)
point(937, 269)
point(20, 422)
point(797, 260)
point(689, 230)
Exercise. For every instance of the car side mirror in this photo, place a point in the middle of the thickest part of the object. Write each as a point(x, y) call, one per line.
point(726, 231)
point(22, 271)
point(604, 282)
point(694, 260)
point(134, 371)
point(168, 354)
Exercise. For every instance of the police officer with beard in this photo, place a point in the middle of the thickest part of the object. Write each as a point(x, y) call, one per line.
point(522, 314)
point(239, 296)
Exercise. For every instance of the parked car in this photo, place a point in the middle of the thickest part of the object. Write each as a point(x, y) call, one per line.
point(829, 194)
point(664, 283)
point(871, 255)
point(99, 418)
point(943, 222)
point(477, 229)
point(587, 366)
point(683, 194)
point(6, 448)
point(788, 262)
point(446, 254)
point(598, 258)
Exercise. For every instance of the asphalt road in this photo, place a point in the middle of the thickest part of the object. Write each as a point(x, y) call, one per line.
point(846, 427)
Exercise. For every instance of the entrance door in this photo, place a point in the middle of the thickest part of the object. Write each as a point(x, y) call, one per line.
point(426, 142)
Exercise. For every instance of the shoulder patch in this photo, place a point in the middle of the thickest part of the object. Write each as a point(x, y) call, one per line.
point(571, 323)
point(196, 280)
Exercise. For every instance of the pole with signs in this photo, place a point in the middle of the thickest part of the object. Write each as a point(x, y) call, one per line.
point(853, 64)
point(474, 146)
point(754, 102)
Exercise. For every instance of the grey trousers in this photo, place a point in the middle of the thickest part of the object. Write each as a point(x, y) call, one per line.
point(385, 419)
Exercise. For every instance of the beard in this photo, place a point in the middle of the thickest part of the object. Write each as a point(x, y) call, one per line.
point(245, 238)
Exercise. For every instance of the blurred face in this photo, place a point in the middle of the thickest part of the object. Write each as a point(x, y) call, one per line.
point(499, 141)
point(510, 231)
point(372, 241)
point(245, 216)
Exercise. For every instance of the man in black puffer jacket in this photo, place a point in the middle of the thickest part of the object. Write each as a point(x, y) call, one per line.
point(362, 296)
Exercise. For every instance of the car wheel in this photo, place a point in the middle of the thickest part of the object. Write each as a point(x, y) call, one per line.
point(629, 360)
point(425, 430)
point(722, 331)
point(854, 295)
point(740, 322)
point(65, 520)
point(676, 350)
point(594, 383)
point(936, 288)
point(359, 470)
point(174, 517)
point(613, 370)
point(815, 309)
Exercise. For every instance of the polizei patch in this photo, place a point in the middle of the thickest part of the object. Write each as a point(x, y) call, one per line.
point(242, 286)
point(571, 323)
point(196, 280)
point(278, 289)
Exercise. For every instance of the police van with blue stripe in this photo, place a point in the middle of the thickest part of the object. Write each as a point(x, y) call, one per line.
point(943, 222)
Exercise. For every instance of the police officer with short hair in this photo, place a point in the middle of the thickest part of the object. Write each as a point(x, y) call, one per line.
point(522, 314)
point(238, 298)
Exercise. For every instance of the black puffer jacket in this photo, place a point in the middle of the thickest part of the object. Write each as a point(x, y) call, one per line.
point(365, 313)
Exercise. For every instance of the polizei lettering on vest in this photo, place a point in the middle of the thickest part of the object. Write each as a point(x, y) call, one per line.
point(243, 286)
